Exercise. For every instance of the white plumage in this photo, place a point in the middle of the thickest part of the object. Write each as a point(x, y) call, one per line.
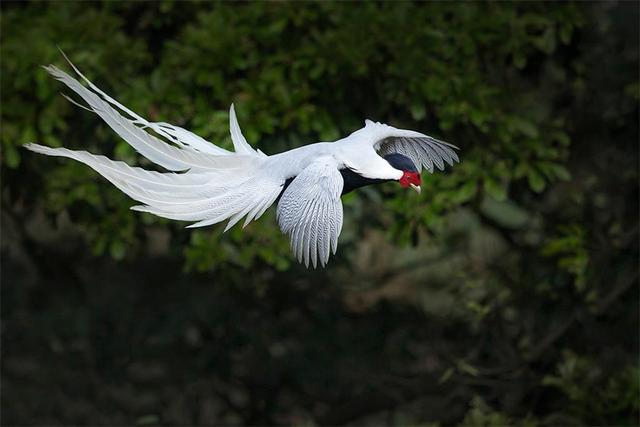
point(310, 211)
point(208, 184)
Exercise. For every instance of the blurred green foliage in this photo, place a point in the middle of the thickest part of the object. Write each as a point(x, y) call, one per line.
point(506, 294)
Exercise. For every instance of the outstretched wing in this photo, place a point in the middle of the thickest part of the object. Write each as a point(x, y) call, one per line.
point(310, 211)
point(422, 149)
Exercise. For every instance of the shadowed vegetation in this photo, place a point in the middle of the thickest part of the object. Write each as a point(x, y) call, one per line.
point(506, 294)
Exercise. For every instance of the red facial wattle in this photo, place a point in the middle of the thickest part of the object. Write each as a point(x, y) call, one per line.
point(409, 178)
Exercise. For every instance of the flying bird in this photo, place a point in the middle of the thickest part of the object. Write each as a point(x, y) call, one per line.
point(207, 184)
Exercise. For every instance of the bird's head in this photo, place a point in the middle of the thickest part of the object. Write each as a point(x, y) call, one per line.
point(410, 174)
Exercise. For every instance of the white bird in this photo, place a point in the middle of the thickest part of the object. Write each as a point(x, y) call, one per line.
point(208, 184)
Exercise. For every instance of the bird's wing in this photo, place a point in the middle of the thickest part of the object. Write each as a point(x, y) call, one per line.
point(310, 211)
point(422, 149)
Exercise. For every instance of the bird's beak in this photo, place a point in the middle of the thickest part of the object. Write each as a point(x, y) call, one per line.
point(417, 188)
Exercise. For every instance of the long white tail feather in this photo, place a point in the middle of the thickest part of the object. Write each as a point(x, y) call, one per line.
point(206, 207)
point(183, 196)
point(171, 183)
point(208, 184)
point(171, 189)
point(149, 146)
point(239, 141)
point(261, 206)
point(165, 155)
point(228, 203)
point(267, 200)
point(217, 214)
point(186, 139)
point(206, 200)
point(176, 134)
point(270, 190)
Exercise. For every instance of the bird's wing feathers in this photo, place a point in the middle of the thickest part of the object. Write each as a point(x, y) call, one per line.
point(423, 150)
point(310, 211)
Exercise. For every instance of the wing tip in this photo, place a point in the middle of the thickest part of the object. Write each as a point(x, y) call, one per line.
point(450, 145)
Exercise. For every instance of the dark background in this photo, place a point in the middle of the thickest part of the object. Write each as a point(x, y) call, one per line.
point(507, 293)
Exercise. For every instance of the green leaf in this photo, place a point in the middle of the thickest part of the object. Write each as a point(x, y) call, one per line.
point(536, 181)
point(495, 189)
point(525, 126)
point(466, 192)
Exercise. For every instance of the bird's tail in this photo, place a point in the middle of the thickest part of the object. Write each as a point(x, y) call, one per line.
point(207, 184)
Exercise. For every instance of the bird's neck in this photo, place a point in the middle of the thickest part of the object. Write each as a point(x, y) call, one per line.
point(353, 181)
